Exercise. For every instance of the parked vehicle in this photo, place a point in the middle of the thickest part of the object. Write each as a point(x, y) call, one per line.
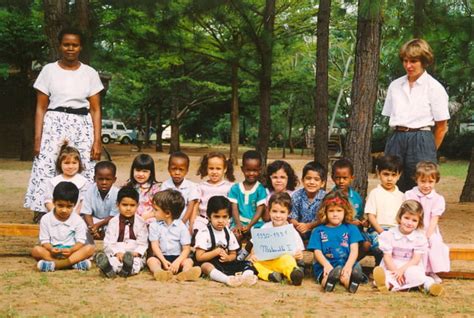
point(113, 131)
point(165, 135)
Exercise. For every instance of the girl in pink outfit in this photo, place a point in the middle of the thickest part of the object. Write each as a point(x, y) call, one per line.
point(437, 258)
point(403, 247)
point(220, 176)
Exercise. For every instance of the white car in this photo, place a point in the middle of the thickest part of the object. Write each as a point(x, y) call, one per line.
point(113, 130)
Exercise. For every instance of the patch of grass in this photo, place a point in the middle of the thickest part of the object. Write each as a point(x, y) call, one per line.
point(10, 164)
point(454, 168)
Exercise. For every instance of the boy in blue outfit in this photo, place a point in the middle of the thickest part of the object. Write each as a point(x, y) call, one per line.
point(306, 201)
point(248, 197)
point(63, 234)
point(100, 201)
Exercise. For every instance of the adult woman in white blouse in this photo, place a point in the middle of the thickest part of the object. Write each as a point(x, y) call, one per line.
point(417, 105)
point(67, 109)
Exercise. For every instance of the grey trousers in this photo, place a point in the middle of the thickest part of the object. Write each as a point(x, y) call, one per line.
point(412, 147)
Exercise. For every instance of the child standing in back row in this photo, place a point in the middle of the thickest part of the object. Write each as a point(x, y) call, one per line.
point(306, 202)
point(178, 166)
point(437, 258)
point(220, 175)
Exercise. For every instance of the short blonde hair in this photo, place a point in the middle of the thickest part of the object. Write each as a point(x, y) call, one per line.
point(411, 207)
point(427, 169)
point(417, 49)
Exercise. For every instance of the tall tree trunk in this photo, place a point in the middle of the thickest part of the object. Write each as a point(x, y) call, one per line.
point(54, 18)
point(290, 129)
point(83, 21)
point(418, 18)
point(174, 142)
point(364, 91)
point(159, 129)
point(467, 194)
point(234, 116)
point(322, 93)
point(266, 50)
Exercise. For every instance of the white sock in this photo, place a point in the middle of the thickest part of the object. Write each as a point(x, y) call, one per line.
point(218, 276)
point(248, 272)
point(427, 284)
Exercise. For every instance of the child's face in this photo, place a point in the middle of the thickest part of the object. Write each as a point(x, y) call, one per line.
point(220, 219)
point(408, 223)
point(127, 207)
point(104, 179)
point(178, 169)
point(343, 178)
point(335, 215)
point(279, 180)
point(388, 179)
point(63, 209)
point(426, 184)
point(215, 169)
point(279, 214)
point(160, 215)
point(312, 182)
point(251, 169)
point(141, 176)
point(70, 166)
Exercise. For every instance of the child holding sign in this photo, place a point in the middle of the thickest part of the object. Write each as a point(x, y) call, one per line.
point(335, 244)
point(284, 265)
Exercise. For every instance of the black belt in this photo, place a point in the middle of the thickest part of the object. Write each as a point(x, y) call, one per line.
point(76, 111)
point(407, 129)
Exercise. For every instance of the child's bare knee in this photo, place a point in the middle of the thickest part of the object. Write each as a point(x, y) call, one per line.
point(207, 268)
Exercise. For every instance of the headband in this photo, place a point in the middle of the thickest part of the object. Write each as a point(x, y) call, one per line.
point(336, 200)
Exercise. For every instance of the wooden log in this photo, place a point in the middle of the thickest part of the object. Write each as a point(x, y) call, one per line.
point(11, 229)
point(461, 252)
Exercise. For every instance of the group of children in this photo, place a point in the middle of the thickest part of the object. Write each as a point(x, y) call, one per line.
point(181, 230)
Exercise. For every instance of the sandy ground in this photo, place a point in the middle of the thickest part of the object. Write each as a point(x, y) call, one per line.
point(26, 292)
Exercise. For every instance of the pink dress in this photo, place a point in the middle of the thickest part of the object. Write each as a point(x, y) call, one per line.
point(437, 258)
point(145, 205)
point(402, 248)
point(206, 191)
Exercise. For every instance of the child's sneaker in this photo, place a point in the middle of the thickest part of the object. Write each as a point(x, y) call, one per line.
point(163, 276)
point(191, 275)
point(234, 281)
point(127, 266)
point(102, 262)
point(46, 266)
point(379, 278)
point(275, 277)
point(333, 277)
point(84, 265)
point(249, 280)
point(436, 289)
point(242, 255)
point(296, 276)
point(356, 278)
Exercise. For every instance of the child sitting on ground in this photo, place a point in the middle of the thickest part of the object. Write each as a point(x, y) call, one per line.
point(284, 266)
point(383, 202)
point(216, 247)
point(178, 166)
point(100, 200)
point(335, 244)
point(170, 240)
point(403, 247)
point(126, 238)
point(306, 201)
point(63, 234)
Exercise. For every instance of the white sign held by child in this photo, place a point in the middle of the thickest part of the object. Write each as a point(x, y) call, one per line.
point(270, 243)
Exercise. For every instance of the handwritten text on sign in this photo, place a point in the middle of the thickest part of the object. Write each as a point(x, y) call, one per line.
point(270, 243)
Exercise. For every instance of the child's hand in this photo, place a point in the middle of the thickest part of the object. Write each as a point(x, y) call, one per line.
point(327, 269)
point(237, 230)
point(304, 227)
point(356, 222)
point(399, 275)
point(245, 229)
point(166, 265)
point(66, 252)
point(55, 251)
point(346, 274)
point(119, 257)
point(298, 255)
point(174, 267)
point(223, 256)
point(365, 223)
point(252, 258)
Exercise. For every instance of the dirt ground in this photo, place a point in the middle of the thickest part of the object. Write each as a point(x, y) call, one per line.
point(26, 292)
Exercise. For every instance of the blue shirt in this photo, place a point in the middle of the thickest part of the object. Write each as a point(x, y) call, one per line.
point(334, 242)
point(171, 238)
point(303, 209)
point(357, 203)
point(94, 205)
point(248, 201)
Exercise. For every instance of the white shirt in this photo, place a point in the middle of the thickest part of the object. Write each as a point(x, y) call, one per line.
point(57, 232)
point(297, 236)
point(203, 239)
point(420, 106)
point(78, 179)
point(140, 245)
point(68, 88)
point(171, 238)
point(384, 204)
point(187, 188)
